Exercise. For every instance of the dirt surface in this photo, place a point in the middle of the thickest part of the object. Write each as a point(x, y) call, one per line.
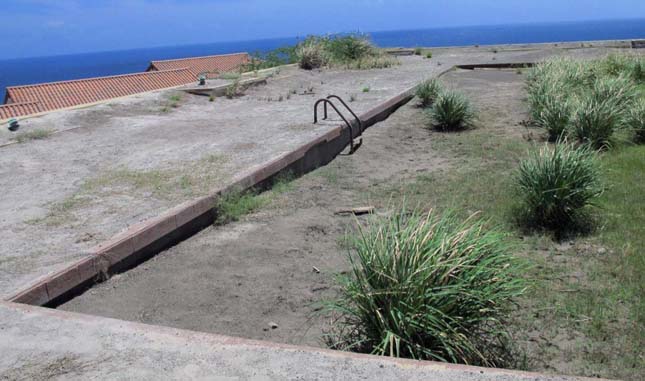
point(242, 278)
point(116, 164)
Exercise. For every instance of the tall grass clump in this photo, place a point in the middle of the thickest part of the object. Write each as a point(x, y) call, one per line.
point(636, 121)
point(451, 112)
point(428, 91)
point(554, 116)
point(427, 286)
point(555, 185)
point(594, 122)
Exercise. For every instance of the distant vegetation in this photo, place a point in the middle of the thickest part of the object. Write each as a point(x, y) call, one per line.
point(352, 51)
point(349, 51)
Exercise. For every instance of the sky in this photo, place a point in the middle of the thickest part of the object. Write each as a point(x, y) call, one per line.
point(51, 27)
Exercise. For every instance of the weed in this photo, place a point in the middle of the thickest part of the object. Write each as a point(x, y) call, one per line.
point(418, 51)
point(427, 286)
point(37, 134)
point(366, 89)
point(234, 90)
point(429, 55)
point(428, 91)
point(232, 206)
point(230, 75)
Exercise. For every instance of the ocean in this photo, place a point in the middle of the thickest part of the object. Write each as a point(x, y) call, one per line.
point(58, 68)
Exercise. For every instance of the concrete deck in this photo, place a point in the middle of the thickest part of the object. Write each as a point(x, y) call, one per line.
point(71, 173)
point(42, 344)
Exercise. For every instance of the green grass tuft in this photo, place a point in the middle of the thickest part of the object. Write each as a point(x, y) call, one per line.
point(427, 286)
point(428, 91)
point(556, 184)
point(37, 134)
point(451, 112)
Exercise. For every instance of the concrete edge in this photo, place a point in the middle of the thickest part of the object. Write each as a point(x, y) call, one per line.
point(217, 340)
point(221, 89)
point(618, 43)
point(146, 239)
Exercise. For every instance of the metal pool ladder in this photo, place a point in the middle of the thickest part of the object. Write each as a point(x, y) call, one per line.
point(354, 145)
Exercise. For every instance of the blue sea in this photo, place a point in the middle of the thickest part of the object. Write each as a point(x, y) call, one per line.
point(57, 68)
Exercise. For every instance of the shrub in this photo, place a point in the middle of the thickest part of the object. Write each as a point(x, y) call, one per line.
point(555, 184)
point(428, 91)
point(451, 112)
point(281, 56)
point(352, 51)
point(349, 48)
point(418, 51)
point(429, 55)
point(311, 54)
point(426, 286)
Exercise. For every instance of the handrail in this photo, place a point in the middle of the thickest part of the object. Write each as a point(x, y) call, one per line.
point(360, 123)
point(325, 101)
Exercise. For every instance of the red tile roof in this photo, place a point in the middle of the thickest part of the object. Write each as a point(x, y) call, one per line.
point(210, 65)
point(58, 95)
point(13, 110)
